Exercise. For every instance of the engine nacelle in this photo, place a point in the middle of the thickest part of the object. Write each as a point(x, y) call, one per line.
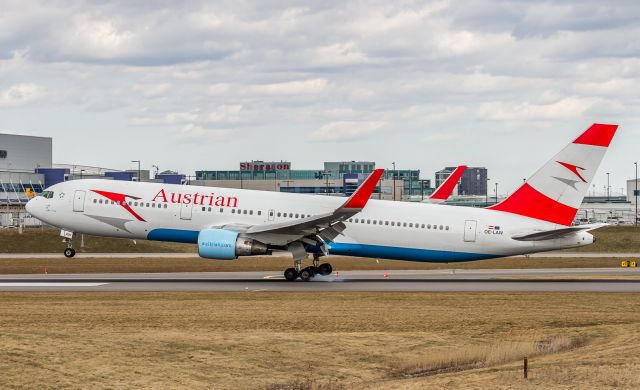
point(227, 245)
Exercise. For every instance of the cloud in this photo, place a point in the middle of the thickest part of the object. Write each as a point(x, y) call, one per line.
point(336, 71)
point(441, 138)
point(192, 133)
point(20, 94)
point(345, 131)
point(170, 118)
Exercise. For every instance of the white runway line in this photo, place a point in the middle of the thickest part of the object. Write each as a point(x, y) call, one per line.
point(51, 284)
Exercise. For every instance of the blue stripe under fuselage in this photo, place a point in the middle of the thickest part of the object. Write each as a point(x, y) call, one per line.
point(346, 249)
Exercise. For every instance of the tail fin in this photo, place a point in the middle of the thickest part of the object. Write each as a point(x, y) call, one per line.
point(443, 192)
point(554, 193)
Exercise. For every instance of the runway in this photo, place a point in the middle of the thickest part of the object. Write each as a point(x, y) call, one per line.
point(500, 280)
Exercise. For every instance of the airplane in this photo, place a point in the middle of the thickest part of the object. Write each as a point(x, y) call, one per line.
point(443, 192)
point(227, 223)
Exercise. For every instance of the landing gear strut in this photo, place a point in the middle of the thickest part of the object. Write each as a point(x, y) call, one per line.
point(305, 274)
point(69, 252)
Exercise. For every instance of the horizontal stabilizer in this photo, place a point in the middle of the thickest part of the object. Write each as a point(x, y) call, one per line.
point(557, 233)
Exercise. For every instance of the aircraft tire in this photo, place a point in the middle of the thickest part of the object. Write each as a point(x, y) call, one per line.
point(325, 269)
point(291, 274)
point(306, 274)
point(69, 252)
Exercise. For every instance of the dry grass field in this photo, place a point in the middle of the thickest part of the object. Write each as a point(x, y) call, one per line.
point(276, 264)
point(260, 340)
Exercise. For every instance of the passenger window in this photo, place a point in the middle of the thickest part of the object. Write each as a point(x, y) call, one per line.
point(233, 211)
point(296, 215)
point(368, 221)
point(221, 209)
point(417, 226)
point(95, 201)
point(204, 209)
point(147, 204)
point(244, 212)
point(446, 227)
point(411, 225)
point(278, 214)
point(393, 223)
point(404, 224)
point(290, 215)
point(441, 227)
point(260, 212)
point(423, 225)
point(165, 205)
point(250, 212)
point(374, 221)
point(429, 226)
point(386, 223)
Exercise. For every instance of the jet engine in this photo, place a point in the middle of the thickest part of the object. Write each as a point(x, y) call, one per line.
point(227, 245)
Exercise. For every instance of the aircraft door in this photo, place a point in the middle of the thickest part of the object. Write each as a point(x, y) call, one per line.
point(272, 214)
point(470, 231)
point(78, 201)
point(186, 210)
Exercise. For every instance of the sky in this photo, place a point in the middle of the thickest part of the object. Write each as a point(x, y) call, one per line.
point(194, 85)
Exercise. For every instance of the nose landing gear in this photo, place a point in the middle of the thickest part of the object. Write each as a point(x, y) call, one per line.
point(69, 252)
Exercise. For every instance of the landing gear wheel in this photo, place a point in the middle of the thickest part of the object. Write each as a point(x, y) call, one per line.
point(69, 252)
point(325, 269)
point(306, 274)
point(291, 274)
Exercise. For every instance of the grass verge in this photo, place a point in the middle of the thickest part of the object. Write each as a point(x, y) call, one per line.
point(318, 340)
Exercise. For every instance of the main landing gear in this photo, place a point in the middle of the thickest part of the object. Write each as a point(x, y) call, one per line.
point(69, 252)
point(305, 274)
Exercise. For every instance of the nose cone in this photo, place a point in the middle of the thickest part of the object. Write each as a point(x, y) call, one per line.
point(30, 207)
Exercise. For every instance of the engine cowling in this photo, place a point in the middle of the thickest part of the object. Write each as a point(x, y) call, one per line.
point(227, 245)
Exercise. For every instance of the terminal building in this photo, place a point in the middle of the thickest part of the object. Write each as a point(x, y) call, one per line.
point(27, 168)
point(335, 178)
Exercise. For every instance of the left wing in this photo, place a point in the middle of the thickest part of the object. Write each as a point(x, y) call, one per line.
point(317, 228)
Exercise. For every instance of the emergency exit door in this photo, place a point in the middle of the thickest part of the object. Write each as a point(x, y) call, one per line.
point(78, 201)
point(470, 231)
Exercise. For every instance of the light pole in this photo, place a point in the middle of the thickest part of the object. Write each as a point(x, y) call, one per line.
point(394, 180)
point(608, 200)
point(496, 192)
point(137, 161)
point(635, 194)
point(486, 193)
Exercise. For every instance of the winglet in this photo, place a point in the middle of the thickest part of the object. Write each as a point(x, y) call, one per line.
point(443, 192)
point(360, 198)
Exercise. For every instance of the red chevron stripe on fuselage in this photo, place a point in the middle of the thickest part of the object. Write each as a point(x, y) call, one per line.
point(121, 200)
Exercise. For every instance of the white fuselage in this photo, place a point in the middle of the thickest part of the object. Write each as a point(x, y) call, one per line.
point(384, 229)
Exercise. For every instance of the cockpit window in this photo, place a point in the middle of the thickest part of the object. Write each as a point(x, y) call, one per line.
point(47, 194)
